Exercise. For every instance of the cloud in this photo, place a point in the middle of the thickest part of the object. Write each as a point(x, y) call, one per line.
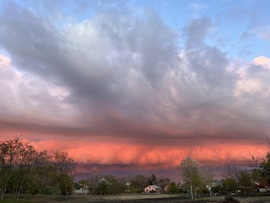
point(262, 61)
point(123, 79)
point(196, 31)
point(29, 104)
point(262, 32)
point(145, 157)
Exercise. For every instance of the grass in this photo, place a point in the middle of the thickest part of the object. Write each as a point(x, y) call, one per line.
point(131, 198)
point(15, 201)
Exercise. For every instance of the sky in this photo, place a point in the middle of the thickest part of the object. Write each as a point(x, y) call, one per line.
point(136, 86)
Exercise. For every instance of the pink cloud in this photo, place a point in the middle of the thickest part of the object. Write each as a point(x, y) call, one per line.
point(147, 156)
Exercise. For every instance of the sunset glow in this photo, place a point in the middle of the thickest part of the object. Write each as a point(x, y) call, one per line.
point(137, 85)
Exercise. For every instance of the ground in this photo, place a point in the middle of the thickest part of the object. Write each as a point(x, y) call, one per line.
point(135, 198)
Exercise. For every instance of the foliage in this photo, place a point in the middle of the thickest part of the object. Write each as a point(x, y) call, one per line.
point(138, 183)
point(114, 184)
point(23, 169)
point(103, 187)
point(163, 182)
point(245, 179)
point(265, 168)
point(93, 183)
point(173, 188)
point(65, 183)
point(229, 184)
point(190, 173)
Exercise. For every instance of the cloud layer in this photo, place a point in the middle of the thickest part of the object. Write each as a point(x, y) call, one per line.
point(123, 87)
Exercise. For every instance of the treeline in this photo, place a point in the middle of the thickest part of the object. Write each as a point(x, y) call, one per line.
point(256, 173)
point(25, 170)
point(109, 184)
point(251, 177)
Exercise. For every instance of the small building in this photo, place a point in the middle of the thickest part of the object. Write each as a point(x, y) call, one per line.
point(81, 189)
point(262, 186)
point(153, 189)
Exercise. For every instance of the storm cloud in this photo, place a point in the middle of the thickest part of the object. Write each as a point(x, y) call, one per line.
point(124, 77)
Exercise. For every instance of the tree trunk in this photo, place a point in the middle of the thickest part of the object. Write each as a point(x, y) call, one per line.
point(191, 191)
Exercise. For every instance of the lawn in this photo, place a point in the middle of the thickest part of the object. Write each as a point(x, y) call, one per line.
point(132, 198)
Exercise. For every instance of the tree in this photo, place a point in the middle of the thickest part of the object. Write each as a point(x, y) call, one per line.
point(25, 169)
point(138, 183)
point(163, 182)
point(62, 172)
point(7, 156)
point(65, 183)
point(245, 179)
point(196, 178)
point(207, 176)
point(265, 168)
point(19, 161)
point(229, 184)
point(93, 183)
point(103, 186)
point(114, 185)
point(190, 173)
point(152, 179)
point(173, 188)
point(26, 162)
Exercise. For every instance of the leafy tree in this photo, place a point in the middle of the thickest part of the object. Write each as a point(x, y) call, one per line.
point(26, 162)
point(103, 187)
point(245, 179)
point(124, 184)
point(114, 185)
point(7, 156)
point(196, 178)
point(65, 183)
point(265, 168)
point(190, 172)
point(173, 188)
point(62, 171)
point(229, 184)
point(24, 169)
point(19, 160)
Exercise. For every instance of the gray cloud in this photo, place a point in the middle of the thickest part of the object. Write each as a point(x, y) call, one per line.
point(196, 32)
point(127, 76)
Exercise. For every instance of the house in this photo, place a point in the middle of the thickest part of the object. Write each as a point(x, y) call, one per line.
point(153, 189)
point(262, 186)
point(81, 189)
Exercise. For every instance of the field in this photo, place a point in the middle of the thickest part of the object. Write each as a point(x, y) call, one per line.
point(134, 198)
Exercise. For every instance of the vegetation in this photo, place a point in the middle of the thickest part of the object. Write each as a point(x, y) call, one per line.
point(196, 179)
point(24, 170)
point(245, 179)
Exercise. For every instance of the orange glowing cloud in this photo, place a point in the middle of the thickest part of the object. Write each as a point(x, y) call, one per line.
point(146, 156)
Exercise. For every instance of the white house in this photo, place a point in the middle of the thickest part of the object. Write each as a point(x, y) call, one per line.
point(153, 189)
point(81, 189)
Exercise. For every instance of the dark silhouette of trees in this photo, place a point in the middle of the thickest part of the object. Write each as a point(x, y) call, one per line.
point(23, 169)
